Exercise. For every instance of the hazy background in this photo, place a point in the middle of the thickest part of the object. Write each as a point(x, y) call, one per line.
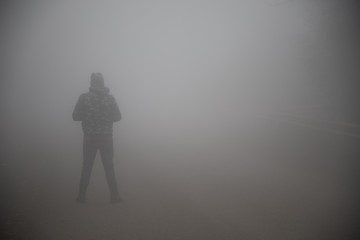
point(179, 69)
point(192, 78)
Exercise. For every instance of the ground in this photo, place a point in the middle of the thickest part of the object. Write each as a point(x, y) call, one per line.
point(293, 184)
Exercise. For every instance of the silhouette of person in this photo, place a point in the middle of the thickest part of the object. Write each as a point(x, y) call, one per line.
point(97, 110)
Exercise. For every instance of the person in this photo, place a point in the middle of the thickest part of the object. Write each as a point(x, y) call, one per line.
point(97, 110)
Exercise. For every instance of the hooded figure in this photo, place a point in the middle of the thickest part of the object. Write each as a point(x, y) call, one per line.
point(97, 110)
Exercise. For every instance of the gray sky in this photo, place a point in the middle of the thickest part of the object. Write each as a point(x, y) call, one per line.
point(179, 69)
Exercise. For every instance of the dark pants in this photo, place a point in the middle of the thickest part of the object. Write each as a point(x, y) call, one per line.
point(91, 144)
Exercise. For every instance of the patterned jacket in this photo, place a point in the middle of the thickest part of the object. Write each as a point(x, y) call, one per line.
point(97, 110)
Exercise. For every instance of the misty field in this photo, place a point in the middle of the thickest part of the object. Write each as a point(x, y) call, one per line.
point(280, 184)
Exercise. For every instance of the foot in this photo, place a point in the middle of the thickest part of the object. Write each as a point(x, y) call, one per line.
point(80, 199)
point(115, 199)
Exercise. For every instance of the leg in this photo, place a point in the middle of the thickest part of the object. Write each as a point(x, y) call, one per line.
point(107, 155)
point(89, 152)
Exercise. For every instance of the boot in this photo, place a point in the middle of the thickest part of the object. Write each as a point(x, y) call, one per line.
point(115, 198)
point(81, 198)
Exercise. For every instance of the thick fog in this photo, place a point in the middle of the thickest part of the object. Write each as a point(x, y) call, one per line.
point(196, 82)
point(179, 69)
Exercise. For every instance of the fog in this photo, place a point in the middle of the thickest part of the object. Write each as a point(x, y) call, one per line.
point(203, 88)
point(173, 67)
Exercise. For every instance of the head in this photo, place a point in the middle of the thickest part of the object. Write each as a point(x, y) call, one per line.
point(97, 80)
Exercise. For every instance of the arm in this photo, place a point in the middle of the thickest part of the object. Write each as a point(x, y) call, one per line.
point(78, 111)
point(116, 112)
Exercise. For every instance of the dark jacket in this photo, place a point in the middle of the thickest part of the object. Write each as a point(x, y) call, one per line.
point(97, 110)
